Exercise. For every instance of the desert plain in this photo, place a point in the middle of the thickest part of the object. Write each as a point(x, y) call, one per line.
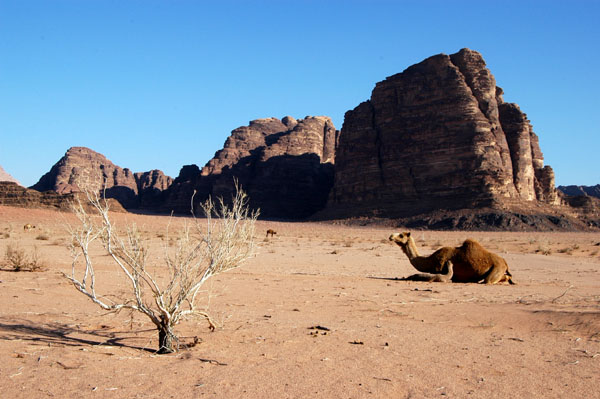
point(319, 311)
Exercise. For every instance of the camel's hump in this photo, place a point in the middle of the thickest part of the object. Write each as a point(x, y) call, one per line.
point(470, 243)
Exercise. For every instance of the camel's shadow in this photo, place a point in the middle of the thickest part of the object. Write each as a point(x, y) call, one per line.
point(387, 278)
point(412, 278)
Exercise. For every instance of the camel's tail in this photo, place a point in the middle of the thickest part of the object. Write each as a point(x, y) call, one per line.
point(510, 281)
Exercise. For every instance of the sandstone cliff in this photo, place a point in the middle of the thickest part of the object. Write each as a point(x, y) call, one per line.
point(437, 136)
point(285, 166)
point(12, 194)
point(132, 190)
point(5, 176)
point(150, 188)
point(592, 191)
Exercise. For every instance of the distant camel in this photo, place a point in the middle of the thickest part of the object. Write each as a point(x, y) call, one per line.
point(444, 277)
point(28, 226)
point(471, 262)
point(271, 232)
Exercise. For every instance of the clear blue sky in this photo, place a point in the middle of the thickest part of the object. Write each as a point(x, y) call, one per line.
point(161, 84)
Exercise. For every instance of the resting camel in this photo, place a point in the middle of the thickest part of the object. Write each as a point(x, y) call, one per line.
point(28, 226)
point(471, 262)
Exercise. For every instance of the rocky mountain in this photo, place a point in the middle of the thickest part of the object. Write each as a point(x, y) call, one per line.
point(592, 191)
point(5, 176)
point(151, 187)
point(438, 136)
point(12, 194)
point(435, 146)
point(285, 166)
point(132, 190)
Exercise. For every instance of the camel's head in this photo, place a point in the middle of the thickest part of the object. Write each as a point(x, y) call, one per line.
point(400, 238)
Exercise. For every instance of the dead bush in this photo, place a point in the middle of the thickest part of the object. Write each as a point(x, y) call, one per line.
point(195, 254)
point(19, 260)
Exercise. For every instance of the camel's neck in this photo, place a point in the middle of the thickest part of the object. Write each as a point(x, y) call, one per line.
point(410, 249)
point(419, 262)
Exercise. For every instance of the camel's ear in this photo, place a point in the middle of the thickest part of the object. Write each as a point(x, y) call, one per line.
point(408, 234)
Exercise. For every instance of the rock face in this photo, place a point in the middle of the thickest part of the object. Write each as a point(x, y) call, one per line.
point(437, 136)
point(4, 176)
point(285, 166)
point(592, 191)
point(150, 187)
point(12, 194)
point(178, 196)
point(132, 190)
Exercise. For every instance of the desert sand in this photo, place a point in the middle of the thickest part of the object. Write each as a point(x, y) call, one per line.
point(318, 312)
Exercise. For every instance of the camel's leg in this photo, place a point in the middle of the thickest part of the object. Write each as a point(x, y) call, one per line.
point(495, 275)
point(420, 277)
point(507, 278)
point(448, 271)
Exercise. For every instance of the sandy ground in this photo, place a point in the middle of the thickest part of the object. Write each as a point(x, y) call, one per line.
point(384, 338)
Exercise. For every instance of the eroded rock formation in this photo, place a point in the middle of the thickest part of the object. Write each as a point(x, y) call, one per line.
point(286, 167)
point(150, 187)
point(592, 191)
point(12, 194)
point(132, 190)
point(437, 136)
point(5, 176)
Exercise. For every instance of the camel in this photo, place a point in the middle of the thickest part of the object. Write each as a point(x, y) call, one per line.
point(471, 262)
point(444, 277)
point(28, 226)
point(271, 232)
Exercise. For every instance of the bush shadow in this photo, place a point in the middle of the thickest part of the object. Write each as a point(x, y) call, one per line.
point(66, 335)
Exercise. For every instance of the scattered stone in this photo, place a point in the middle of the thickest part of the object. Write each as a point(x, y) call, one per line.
point(319, 328)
